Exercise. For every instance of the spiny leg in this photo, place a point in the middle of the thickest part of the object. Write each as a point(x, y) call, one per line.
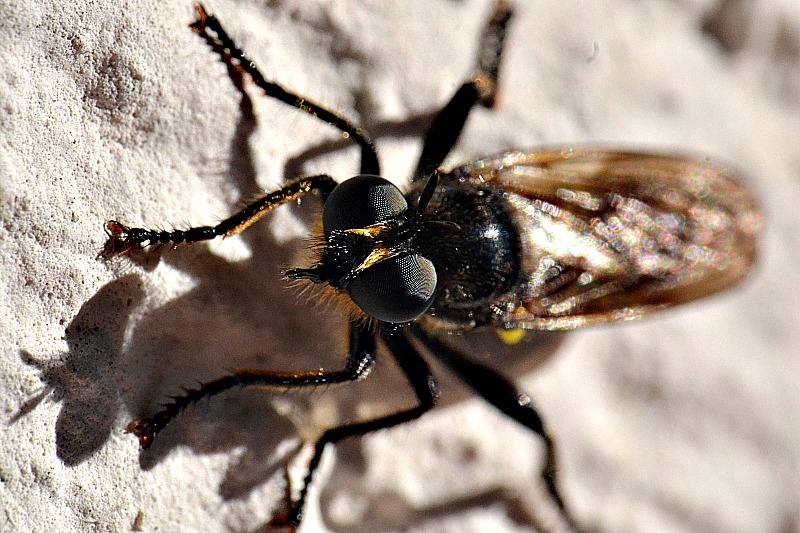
point(480, 89)
point(122, 238)
point(501, 393)
point(232, 55)
point(421, 380)
point(359, 362)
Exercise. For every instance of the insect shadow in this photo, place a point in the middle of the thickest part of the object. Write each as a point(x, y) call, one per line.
point(84, 379)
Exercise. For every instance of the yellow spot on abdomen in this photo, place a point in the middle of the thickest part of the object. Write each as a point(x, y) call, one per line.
point(511, 336)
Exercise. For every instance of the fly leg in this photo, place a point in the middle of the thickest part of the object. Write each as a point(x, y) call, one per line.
point(359, 362)
point(419, 377)
point(122, 238)
point(501, 393)
point(208, 27)
point(480, 89)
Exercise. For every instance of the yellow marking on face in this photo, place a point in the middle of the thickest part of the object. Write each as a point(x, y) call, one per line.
point(371, 232)
point(377, 255)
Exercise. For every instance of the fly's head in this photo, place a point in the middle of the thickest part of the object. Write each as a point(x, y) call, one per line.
point(368, 251)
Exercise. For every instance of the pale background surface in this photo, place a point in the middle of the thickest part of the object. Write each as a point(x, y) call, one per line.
point(686, 422)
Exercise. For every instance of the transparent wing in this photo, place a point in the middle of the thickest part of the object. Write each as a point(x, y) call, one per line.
point(614, 235)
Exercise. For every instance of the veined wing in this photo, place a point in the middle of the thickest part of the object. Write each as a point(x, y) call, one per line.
point(613, 235)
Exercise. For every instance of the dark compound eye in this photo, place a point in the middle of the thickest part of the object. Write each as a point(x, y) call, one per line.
point(360, 202)
point(398, 289)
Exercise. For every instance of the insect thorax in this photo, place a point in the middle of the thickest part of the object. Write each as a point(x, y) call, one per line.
point(477, 258)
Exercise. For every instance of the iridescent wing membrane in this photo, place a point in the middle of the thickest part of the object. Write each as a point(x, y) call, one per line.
point(610, 236)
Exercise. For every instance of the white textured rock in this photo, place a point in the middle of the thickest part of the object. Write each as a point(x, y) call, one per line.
point(685, 422)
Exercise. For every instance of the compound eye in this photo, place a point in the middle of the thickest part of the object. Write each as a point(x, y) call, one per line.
point(360, 202)
point(398, 289)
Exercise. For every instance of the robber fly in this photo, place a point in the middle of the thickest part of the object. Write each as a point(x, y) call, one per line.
point(545, 240)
